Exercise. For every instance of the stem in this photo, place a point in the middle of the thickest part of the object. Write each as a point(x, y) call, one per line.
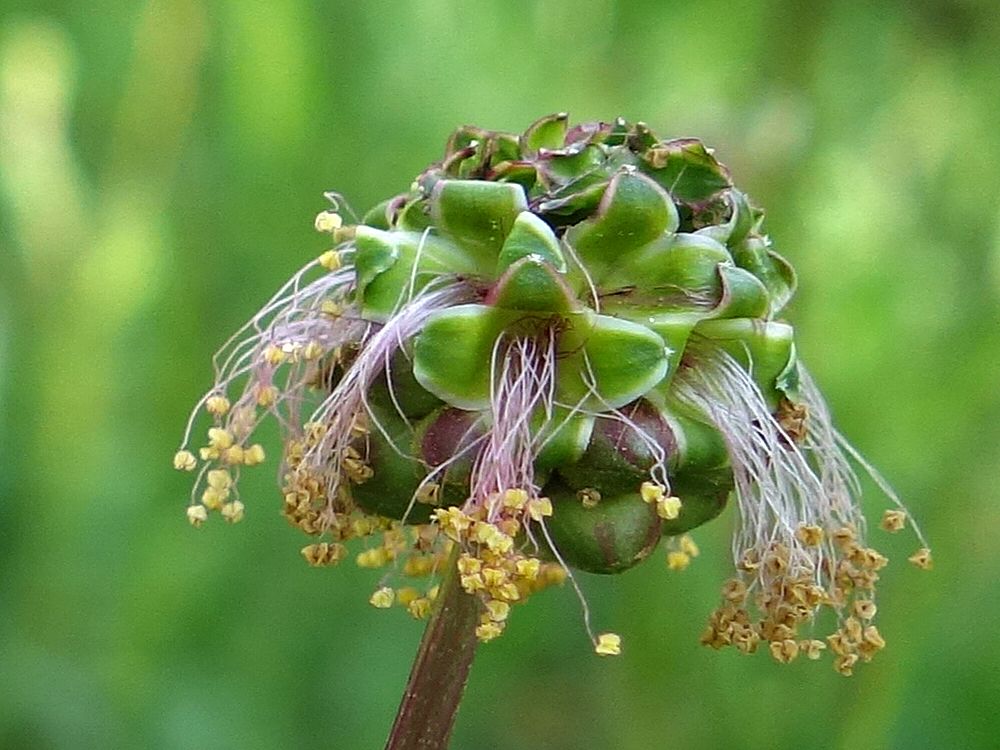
point(434, 690)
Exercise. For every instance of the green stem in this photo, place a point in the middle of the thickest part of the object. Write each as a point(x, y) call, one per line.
point(433, 692)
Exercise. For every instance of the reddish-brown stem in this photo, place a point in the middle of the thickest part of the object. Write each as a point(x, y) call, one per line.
point(434, 690)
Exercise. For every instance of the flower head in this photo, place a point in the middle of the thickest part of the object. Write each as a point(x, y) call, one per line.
point(557, 348)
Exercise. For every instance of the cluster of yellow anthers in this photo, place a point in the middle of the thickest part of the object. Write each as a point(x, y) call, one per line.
point(490, 565)
point(785, 599)
point(222, 457)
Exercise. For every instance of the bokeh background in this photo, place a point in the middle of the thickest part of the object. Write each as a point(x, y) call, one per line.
point(161, 163)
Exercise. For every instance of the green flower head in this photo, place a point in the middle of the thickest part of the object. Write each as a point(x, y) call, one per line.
point(555, 350)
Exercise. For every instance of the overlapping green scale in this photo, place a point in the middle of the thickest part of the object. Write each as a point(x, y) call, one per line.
point(626, 245)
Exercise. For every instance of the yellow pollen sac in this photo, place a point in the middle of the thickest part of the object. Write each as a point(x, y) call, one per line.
point(213, 498)
point(528, 568)
point(494, 577)
point(233, 454)
point(418, 565)
point(472, 583)
point(274, 355)
point(453, 522)
point(515, 499)
point(893, 520)
point(217, 405)
point(688, 546)
point(865, 608)
point(497, 610)
point(197, 515)
point(652, 493)
point(253, 455)
point(539, 507)
point(813, 649)
point(382, 598)
point(219, 438)
point(328, 222)
point(668, 508)
point(420, 608)
point(678, 560)
point(185, 461)
point(810, 535)
point(922, 559)
point(375, 557)
point(508, 591)
point(265, 395)
point(467, 565)
point(589, 497)
point(406, 595)
point(608, 644)
point(219, 479)
point(313, 350)
point(488, 631)
point(428, 494)
point(233, 512)
point(785, 650)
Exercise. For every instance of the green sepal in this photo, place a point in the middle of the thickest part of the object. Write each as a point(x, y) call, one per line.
point(763, 348)
point(624, 360)
point(415, 216)
point(743, 295)
point(562, 436)
point(739, 224)
point(681, 267)
point(478, 215)
point(776, 273)
point(546, 132)
point(533, 285)
point(377, 216)
point(575, 167)
point(611, 537)
point(574, 207)
point(633, 212)
point(453, 353)
point(700, 446)
point(686, 169)
point(530, 236)
point(384, 262)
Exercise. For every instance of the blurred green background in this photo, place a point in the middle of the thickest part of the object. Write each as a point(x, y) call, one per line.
point(161, 163)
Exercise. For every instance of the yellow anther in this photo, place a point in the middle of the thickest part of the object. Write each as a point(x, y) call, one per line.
point(217, 405)
point(332, 308)
point(253, 455)
point(488, 631)
point(420, 608)
point(845, 664)
point(375, 557)
point(472, 583)
point(688, 546)
point(185, 461)
point(813, 649)
point(539, 507)
point(219, 479)
point(893, 520)
point(528, 568)
point(515, 499)
point(468, 565)
point(677, 560)
point(197, 515)
point(508, 591)
point(233, 512)
point(382, 598)
point(432, 593)
point(328, 222)
point(418, 565)
point(406, 594)
point(274, 355)
point(668, 508)
point(809, 534)
point(428, 494)
point(922, 559)
point(233, 454)
point(453, 522)
point(497, 610)
point(219, 438)
point(785, 650)
point(865, 608)
point(608, 644)
point(313, 350)
point(265, 395)
point(652, 493)
point(213, 498)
